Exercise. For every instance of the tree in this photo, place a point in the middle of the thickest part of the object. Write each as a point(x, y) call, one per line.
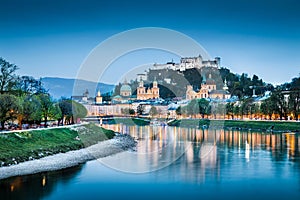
point(140, 109)
point(236, 110)
point(65, 106)
point(153, 111)
point(280, 103)
point(131, 111)
point(246, 107)
point(8, 108)
point(127, 111)
point(29, 109)
point(56, 113)
point(192, 108)
point(203, 106)
point(46, 107)
point(294, 98)
point(28, 85)
point(178, 110)
point(230, 109)
point(267, 107)
point(78, 111)
point(8, 78)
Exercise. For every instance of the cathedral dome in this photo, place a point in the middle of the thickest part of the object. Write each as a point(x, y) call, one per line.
point(125, 88)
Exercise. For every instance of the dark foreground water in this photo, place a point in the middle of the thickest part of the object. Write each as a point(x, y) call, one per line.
point(177, 163)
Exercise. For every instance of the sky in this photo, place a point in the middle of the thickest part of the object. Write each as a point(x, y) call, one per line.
point(52, 38)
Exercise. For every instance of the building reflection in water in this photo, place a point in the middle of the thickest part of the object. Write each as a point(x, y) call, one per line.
point(162, 146)
point(186, 154)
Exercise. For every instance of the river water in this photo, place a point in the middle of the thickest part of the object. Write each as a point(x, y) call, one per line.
point(177, 163)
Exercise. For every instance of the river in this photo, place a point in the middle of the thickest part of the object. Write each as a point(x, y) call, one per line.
point(177, 163)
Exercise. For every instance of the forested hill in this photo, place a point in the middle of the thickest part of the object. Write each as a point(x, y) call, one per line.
point(173, 83)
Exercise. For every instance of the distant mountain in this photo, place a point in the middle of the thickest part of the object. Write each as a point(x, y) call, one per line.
point(62, 87)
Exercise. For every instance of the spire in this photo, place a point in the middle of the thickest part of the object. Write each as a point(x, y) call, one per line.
point(98, 93)
point(155, 83)
point(141, 82)
point(86, 93)
point(225, 87)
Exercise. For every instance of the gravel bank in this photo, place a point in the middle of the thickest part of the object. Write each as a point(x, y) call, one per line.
point(72, 158)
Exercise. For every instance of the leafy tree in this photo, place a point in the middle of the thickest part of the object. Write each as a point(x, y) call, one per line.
point(255, 109)
point(178, 110)
point(203, 107)
point(8, 78)
point(127, 111)
point(131, 111)
point(117, 89)
point(192, 107)
point(246, 106)
point(281, 104)
point(140, 109)
point(230, 109)
point(236, 110)
point(29, 109)
point(78, 111)
point(267, 107)
point(29, 85)
point(46, 107)
point(8, 108)
point(153, 111)
point(294, 98)
point(65, 106)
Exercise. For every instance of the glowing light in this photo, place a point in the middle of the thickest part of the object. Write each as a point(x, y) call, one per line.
point(12, 187)
point(44, 181)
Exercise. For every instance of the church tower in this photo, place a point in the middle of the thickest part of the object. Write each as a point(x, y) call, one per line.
point(141, 90)
point(155, 90)
point(98, 98)
point(225, 87)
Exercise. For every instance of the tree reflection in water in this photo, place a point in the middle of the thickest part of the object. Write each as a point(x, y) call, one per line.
point(36, 186)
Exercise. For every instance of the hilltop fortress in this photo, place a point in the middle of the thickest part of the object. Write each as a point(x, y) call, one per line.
point(189, 63)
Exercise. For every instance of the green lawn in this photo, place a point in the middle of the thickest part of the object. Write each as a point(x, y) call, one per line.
point(23, 146)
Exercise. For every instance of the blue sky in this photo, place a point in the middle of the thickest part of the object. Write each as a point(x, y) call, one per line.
point(52, 38)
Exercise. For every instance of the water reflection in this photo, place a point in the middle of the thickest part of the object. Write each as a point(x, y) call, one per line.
point(253, 162)
point(160, 147)
point(36, 186)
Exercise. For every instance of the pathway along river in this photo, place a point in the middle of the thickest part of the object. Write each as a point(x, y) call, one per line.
point(177, 163)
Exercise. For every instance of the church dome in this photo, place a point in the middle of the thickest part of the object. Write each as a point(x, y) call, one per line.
point(125, 88)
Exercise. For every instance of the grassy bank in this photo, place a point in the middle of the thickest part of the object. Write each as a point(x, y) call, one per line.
point(255, 125)
point(130, 121)
point(18, 147)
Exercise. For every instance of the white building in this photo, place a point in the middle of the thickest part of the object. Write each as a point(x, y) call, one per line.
point(189, 63)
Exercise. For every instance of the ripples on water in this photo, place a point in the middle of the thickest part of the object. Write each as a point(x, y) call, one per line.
point(172, 162)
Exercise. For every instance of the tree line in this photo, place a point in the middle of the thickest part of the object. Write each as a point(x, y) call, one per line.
point(282, 104)
point(24, 100)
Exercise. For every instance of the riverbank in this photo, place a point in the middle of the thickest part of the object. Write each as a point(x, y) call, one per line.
point(275, 126)
point(132, 121)
point(20, 146)
point(69, 159)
